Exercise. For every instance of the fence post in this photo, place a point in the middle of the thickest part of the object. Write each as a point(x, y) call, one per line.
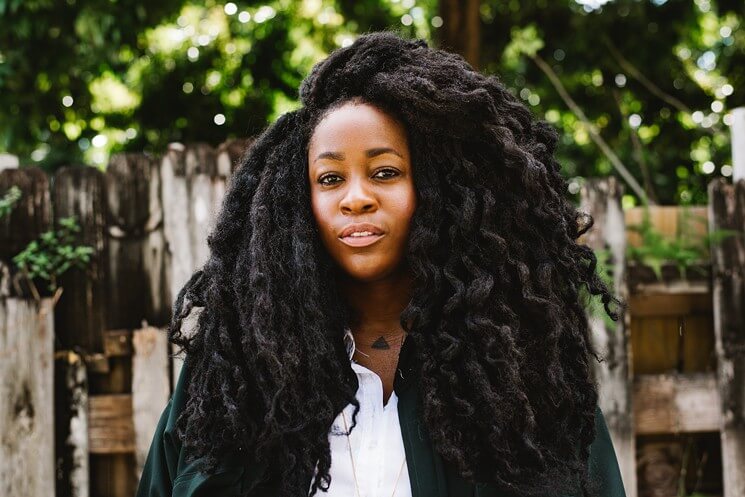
point(81, 312)
point(8, 161)
point(71, 413)
point(601, 198)
point(192, 192)
point(727, 211)
point(27, 402)
point(738, 144)
point(150, 387)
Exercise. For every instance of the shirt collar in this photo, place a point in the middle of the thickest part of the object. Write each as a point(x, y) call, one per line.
point(349, 343)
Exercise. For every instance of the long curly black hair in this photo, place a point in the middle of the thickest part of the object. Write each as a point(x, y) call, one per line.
point(497, 316)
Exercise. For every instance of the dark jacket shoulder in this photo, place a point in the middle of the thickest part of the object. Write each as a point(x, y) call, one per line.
point(167, 473)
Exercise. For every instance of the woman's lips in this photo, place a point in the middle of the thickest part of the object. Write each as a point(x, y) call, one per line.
point(372, 233)
point(361, 241)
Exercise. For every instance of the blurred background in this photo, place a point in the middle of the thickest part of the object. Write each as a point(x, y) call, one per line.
point(80, 79)
point(121, 122)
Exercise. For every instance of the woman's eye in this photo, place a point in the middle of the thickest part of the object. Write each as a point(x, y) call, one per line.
point(330, 179)
point(322, 179)
point(388, 173)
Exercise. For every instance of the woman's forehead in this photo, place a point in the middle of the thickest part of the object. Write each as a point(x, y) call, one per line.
point(352, 126)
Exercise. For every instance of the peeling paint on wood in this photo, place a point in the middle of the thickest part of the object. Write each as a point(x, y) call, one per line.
point(601, 198)
point(26, 398)
point(71, 413)
point(727, 211)
point(150, 386)
point(192, 191)
point(80, 315)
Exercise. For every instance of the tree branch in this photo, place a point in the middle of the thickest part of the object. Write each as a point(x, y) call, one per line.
point(632, 71)
point(638, 150)
point(594, 135)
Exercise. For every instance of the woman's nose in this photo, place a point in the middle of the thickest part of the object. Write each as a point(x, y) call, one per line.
point(358, 198)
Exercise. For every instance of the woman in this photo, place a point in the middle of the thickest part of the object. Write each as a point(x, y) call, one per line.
point(391, 305)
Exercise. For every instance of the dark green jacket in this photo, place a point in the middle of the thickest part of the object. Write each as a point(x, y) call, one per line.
point(166, 472)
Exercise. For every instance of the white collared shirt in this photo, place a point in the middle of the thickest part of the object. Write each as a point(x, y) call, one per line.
point(377, 446)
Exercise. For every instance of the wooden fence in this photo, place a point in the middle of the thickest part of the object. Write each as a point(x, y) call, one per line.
point(103, 352)
point(675, 365)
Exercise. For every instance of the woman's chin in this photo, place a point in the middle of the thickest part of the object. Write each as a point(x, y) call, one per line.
point(367, 273)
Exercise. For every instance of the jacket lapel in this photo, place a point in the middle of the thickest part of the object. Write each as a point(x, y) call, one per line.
point(428, 474)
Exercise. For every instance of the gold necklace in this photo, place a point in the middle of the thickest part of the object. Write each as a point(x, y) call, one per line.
point(354, 470)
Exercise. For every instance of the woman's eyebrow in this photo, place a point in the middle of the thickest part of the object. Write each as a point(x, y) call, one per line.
point(372, 152)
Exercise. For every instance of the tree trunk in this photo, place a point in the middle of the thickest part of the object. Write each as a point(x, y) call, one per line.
point(461, 29)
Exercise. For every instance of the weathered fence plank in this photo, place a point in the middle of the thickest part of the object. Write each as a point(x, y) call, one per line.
point(601, 198)
point(192, 192)
point(136, 270)
point(150, 386)
point(80, 315)
point(727, 211)
point(26, 397)
point(738, 143)
point(111, 430)
point(676, 403)
point(71, 423)
point(30, 217)
point(138, 292)
point(229, 155)
point(8, 161)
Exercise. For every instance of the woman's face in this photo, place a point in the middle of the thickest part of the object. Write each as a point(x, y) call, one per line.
point(361, 182)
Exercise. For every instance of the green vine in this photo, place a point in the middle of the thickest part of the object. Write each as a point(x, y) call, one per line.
point(52, 253)
point(656, 249)
point(9, 200)
point(683, 250)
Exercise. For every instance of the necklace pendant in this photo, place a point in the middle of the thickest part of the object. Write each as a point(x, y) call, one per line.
point(380, 344)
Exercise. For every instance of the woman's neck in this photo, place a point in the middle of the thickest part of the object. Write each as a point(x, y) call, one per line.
point(377, 306)
point(376, 326)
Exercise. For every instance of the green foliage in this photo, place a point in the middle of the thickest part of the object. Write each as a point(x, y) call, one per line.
point(92, 77)
point(8, 200)
point(687, 249)
point(683, 249)
point(657, 79)
point(525, 41)
point(53, 253)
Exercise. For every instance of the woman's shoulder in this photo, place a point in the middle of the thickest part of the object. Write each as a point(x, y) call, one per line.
point(177, 402)
point(177, 406)
point(603, 463)
point(169, 471)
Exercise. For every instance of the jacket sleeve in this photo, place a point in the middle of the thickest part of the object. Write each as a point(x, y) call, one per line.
point(603, 464)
